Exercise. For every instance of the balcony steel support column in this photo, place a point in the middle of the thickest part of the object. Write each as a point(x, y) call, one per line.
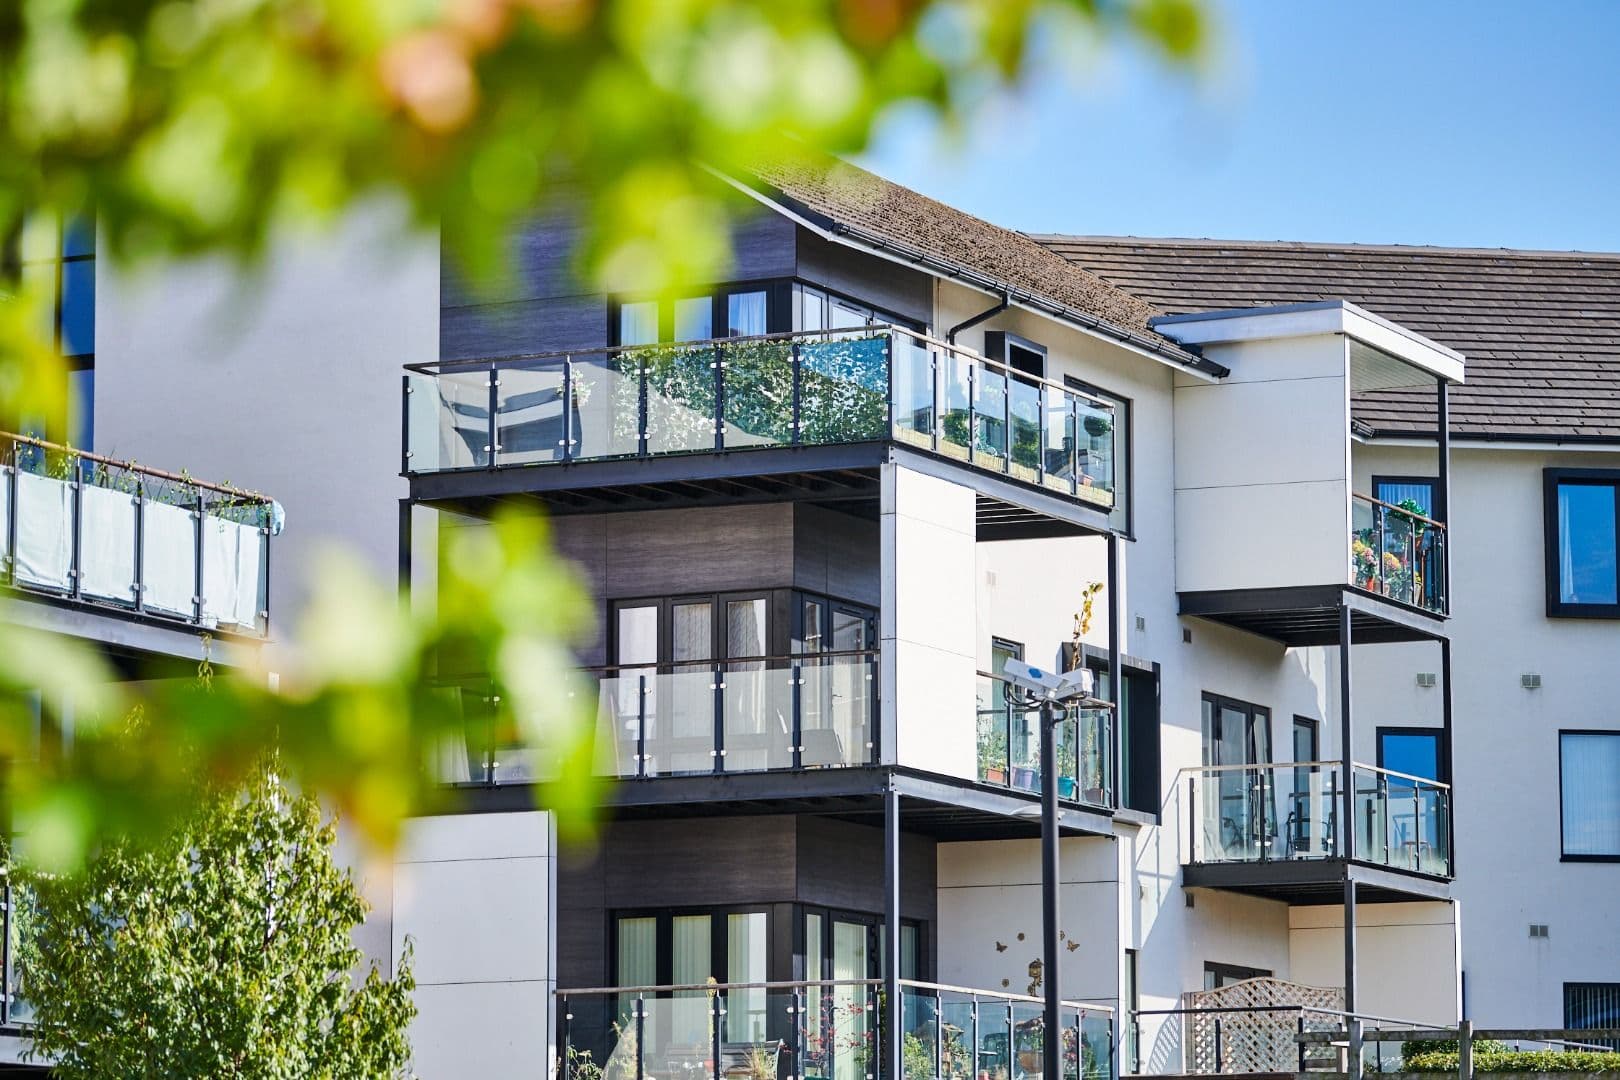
point(1116, 675)
point(891, 1041)
point(1442, 512)
point(1347, 828)
point(1052, 1063)
point(404, 553)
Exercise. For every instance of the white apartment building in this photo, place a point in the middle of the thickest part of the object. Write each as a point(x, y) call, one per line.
point(822, 501)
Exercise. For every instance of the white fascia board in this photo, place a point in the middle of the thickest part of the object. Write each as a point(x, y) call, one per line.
point(1474, 442)
point(1302, 320)
point(914, 264)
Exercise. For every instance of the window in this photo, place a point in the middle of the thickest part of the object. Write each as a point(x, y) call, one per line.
point(60, 263)
point(1138, 731)
point(1582, 521)
point(1018, 353)
point(1589, 786)
point(817, 309)
point(1219, 975)
point(1413, 751)
point(1119, 519)
point(1396, 490)
point(743, 312)
point(1236, 732)
point(1593, 1005)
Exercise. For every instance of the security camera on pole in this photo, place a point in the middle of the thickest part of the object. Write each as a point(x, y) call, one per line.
point(1029, 687)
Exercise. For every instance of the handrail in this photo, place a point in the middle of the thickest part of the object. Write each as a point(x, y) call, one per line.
point(1001, 994)
point(666, 988)
point(1268, 765)
point(1398, 509)
point(666, 666)
point(437, 367)
point(131, 466)
point(1424, 780)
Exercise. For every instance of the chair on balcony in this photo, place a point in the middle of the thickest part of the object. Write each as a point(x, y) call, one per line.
point(822, 747)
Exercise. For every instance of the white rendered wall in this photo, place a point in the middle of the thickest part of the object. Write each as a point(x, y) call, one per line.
point(1509, 868)
point(927, 623)
point(1028, 591)
point(1261, 463)
point(1408, 960)
point(474, 895)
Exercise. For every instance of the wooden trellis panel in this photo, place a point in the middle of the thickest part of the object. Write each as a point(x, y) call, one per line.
point(1254, 1041)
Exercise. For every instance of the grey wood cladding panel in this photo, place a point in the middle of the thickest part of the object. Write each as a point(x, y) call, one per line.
point(837, 554)
point(523, 326)
point(876, 282)
point(668, 552)
point(840, 865)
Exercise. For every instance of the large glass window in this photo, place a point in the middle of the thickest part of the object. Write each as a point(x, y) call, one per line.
point(1582, 525)
point(1413, 751)
point(1396, 490)
point(1589, 780)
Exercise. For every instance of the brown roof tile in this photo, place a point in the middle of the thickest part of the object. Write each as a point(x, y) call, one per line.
point(872, 208)
point(1541, 330)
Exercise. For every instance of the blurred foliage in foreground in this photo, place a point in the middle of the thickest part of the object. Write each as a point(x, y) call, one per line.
point(204, 126)
point(226, 950)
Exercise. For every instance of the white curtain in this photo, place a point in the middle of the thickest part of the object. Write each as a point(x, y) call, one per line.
point(107, 544)
point(231, 572)
point(1591, 784)
point(169, 558)
point(44, 532)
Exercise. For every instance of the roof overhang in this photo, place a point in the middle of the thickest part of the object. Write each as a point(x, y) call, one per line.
point(837, 232)
point(1201, 328)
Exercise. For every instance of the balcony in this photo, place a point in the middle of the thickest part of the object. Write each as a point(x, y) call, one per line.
point(117, 538)
point(822, 388)
point(1286, 818)
point(1009, 748)
point(774, 713)
point(817, 1030)
point(1397, 553)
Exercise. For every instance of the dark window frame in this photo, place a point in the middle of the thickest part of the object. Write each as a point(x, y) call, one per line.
point(1435, 733)
point(881, 316)
point(1437, 497)
point(873, 922)
point(1238, 972)
point(778, 307)
point(999, 343)
point(1250, 708)
point(1563, 855)
point(664, 936)
point(1551, 480)
point(1612, 988)
point(1142, 772)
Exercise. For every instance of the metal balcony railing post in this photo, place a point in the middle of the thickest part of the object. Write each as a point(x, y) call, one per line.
point(11, 517)
point(719, 689)
point(796, 360)
point(76, 574)
point(641, 725)
point(641, 1038)
point(972, 413)
point(566, 443)
point(197, 569)
point(1299, 1042)
point(1192, 818)
point(1006, 422)
point(1417, 827)
point(1333, 810)
point(796, 691)
point(716, 1024)
point(1389, 819)
point(140, 545)
point(1379, 574)
point(888, 365)
point(718, 366)
point(563, 1036)
point(939, 1036)
point(491, 450)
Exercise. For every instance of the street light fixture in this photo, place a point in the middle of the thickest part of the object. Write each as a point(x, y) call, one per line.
point(1028, 687)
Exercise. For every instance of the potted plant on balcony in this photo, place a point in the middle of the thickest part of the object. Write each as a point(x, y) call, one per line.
point(992, 754)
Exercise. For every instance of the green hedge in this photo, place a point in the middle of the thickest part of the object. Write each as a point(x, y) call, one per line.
point(1419, 1047)
point(1518, 1061)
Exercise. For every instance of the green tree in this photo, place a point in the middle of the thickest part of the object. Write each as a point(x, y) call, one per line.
point(225, 949)
point(204, 126)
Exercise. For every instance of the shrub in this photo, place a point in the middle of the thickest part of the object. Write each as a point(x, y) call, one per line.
point(1519, 1061)
point(1417, 1047)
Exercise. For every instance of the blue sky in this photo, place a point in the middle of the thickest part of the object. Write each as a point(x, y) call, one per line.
point(1489, 124)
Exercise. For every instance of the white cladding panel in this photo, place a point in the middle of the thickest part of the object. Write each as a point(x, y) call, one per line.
point(928, 622)
point(1262, 536)
point(474, 894)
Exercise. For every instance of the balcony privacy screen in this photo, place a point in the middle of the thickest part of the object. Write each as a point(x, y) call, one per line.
point(107, 545)
point(231, 578)
point(168, 559)
point(44, 555)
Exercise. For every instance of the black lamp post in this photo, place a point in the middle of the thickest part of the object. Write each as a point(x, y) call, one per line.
point(1030, 688)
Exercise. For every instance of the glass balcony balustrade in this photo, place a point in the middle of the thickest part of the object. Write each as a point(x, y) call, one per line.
point(1009, 748)
point(792, 712)
point(801, 389)
point(96, 532)
point(1293, 811)
point(1397, 553)
point(819, 1030)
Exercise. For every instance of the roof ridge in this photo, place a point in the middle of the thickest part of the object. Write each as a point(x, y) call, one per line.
point(1045, 239)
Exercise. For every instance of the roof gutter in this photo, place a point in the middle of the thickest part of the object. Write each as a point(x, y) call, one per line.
point(839, 233)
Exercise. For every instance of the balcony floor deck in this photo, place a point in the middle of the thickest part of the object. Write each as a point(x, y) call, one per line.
point(1316, 881)
point(932, 805)
point(1308, 615)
